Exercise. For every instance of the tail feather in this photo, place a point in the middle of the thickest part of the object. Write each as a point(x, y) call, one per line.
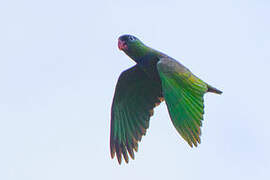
point(213, 90)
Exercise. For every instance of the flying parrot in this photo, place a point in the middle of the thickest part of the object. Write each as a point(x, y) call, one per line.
point(155, 77)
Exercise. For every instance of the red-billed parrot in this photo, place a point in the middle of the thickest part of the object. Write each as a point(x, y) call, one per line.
point(154, 78)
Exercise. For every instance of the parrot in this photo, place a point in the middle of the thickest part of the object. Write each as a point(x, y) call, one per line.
point(155, 77)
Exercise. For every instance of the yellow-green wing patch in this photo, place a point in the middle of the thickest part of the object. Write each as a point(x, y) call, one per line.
point(183, 93)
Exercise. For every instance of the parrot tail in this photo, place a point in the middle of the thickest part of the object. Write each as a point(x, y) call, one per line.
point(213, 90)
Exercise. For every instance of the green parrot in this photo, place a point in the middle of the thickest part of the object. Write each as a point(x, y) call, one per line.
point(155, 77)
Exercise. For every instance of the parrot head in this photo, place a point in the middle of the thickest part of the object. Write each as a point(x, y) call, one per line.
point(132, 46)
point(126, 42)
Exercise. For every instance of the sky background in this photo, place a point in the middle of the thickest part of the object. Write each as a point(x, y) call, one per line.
point(59, 64)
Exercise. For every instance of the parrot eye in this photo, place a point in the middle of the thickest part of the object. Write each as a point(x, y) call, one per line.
point(131, 38)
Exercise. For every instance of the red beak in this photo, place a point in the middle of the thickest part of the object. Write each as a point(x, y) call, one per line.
point(122, 45)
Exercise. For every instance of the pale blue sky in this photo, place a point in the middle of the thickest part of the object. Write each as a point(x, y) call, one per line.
point(59, 64)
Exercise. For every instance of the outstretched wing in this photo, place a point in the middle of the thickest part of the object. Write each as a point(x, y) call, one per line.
point(183, 93)
point(135, 97)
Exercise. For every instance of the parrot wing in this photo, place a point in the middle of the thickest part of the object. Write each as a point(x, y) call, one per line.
point(183, 93)
point(135, 97)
